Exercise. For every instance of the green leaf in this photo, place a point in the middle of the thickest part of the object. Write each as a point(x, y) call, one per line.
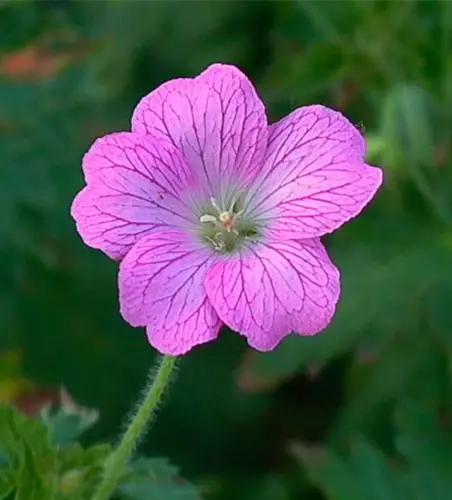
point(316, 66)
point(26, 21)
point(30, 456)
point(155, 479)
point(427, 448)
point(80, 470)
point(68, 422)
point(405, 122)
point(6, 485)
point(269, 487)
point(374, 385)
point(330, 472)
point(365, 473)
point(382, 481)
point(35, 470)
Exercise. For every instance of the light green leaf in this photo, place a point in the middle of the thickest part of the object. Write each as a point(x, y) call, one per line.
point(80, 470)
point(6, 485)
point(270, 487)
point(330, 472)
point(427, 448)
point(382, 481)
point(364, 474)
point(405, 122)
point(155, 479)
point(68, 422)
point(29, 454)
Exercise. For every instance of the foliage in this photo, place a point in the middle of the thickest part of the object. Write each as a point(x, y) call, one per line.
point(38, 463)
point(364, 405)
point(420, 469)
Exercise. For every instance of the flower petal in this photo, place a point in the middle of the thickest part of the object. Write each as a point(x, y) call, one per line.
point(274, 289)
point(314, 178)
point(161, 287)
point(134, 185)
point(216, 119)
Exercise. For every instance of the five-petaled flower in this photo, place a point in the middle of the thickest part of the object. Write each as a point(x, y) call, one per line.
point(216, 215)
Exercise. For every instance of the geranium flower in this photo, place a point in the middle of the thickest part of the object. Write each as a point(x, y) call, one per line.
point(216, 215)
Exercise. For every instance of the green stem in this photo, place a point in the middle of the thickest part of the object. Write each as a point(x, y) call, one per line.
point(145, 411)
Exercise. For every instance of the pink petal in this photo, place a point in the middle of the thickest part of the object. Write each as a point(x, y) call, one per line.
point(273, 289)
point(216, 119)
point(161, 287)
point(134, 186)
point(314, 178)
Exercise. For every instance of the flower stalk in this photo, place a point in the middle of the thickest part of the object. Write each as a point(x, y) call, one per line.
point(145, 411)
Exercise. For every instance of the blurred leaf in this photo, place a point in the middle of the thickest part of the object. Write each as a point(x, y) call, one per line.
point(270, 487)
point(373, 386)
point(68, 422)
point(330, 472)
point(80, 470)
point(264, 371)
point(155, 479)
point(29, 455)
point(427, 448)
point(318, 67)
point(366, 473)
point(35, 470)
point(406, 127)
point(26, 22)
point(405, 124)
point(6, 488)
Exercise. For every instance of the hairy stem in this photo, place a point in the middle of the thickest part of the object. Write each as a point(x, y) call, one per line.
point(145, 411)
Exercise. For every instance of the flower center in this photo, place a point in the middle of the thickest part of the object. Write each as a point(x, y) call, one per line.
point(226, 229)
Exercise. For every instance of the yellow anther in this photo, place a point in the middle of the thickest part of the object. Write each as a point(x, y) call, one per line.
point(225, 217)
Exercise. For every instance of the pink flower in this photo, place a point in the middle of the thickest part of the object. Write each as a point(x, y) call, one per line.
point(216, 215)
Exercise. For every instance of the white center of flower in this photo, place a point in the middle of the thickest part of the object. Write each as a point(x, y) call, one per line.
point(225, 218)
point(224, 229)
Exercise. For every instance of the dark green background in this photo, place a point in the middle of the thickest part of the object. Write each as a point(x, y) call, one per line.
point(372, 393)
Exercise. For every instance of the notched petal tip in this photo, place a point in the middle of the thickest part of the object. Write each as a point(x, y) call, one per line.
point(376, 175)
point(161, 287)
point(216, 120)
point(93, 234)
point(180, 343)
point(323, 120)
point(275, 289)
point(356, 201)
point(264, 344)
point(314, 178)
point(223, 70)
point(99, 154)
point(134, 186)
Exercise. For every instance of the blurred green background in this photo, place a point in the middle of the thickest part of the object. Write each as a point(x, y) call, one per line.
point(361, 410)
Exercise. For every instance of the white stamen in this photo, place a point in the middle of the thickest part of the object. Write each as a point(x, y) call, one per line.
point(214, 203)
point(216, 242)
point(208, 218)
